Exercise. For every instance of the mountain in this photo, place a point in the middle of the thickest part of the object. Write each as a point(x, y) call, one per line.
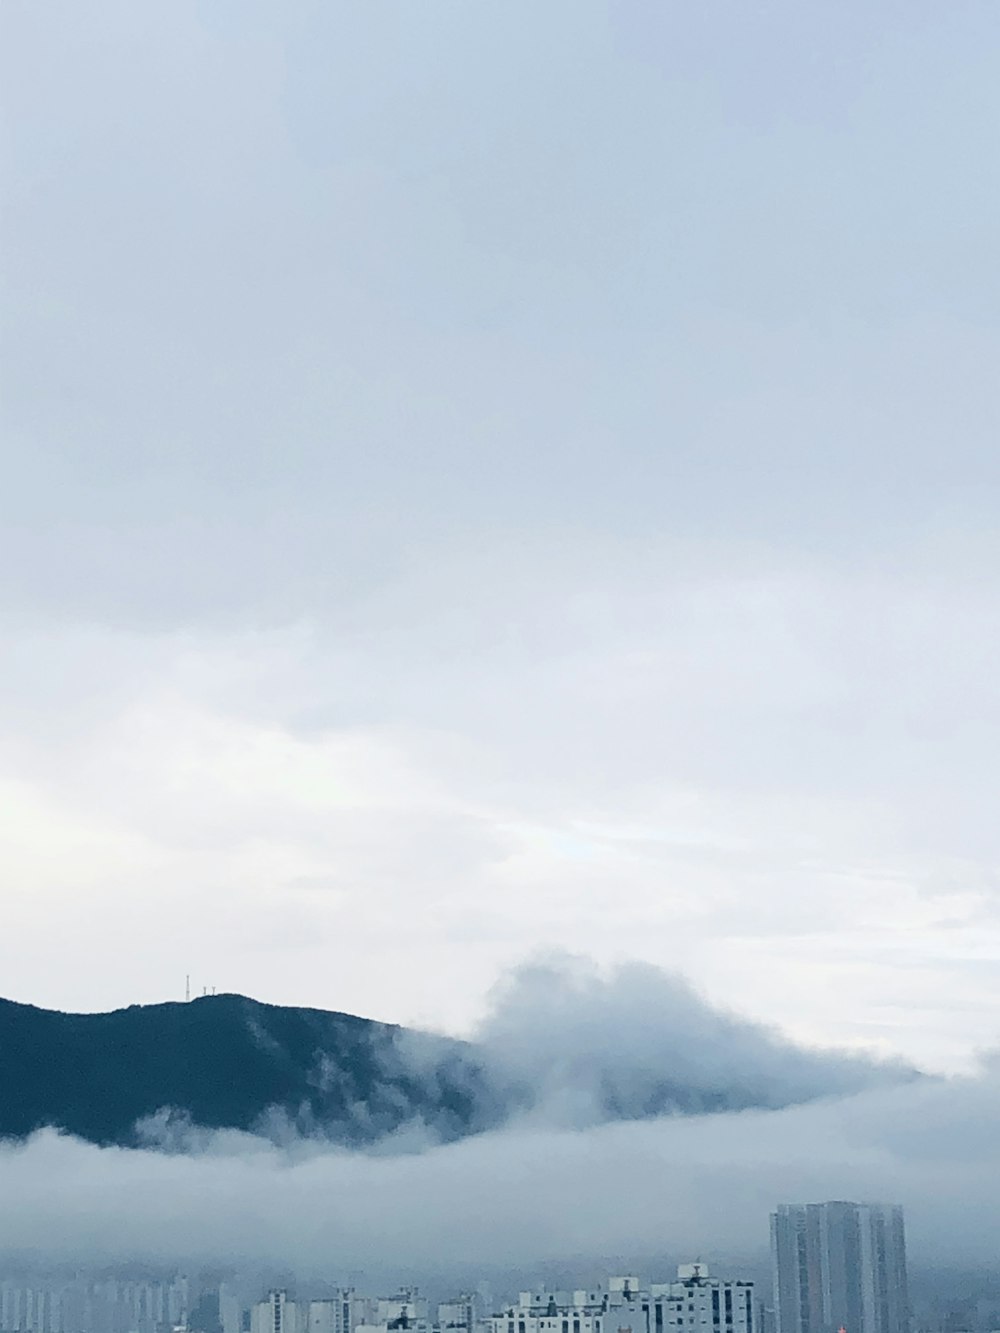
point(225, 1061)
point(161, 1075)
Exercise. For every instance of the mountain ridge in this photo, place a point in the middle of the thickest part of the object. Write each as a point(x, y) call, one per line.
point(168, 1075)
point(224, 1061)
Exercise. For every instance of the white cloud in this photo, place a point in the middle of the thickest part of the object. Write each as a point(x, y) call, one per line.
point(679, 1185)
point(393, 818)
point(467, 493)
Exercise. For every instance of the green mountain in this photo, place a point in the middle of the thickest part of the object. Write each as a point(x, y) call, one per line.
point(228, 1062)
point(165, 1075)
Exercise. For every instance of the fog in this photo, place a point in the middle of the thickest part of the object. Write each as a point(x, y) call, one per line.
point(544, 1188)
point(681, 1185)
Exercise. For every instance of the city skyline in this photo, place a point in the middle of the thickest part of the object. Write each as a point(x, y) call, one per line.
point(693, 1297)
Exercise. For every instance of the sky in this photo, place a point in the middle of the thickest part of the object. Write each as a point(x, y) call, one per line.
point(482, 480)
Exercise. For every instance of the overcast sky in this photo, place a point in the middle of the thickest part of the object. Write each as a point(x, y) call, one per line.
point(486, 478)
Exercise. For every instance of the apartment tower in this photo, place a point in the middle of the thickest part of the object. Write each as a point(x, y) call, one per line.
point(839, 1268)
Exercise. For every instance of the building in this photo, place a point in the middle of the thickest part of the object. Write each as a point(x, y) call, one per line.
point(695, 1302)
point(230, 1309)
point(406, 1310)
point(78, 1304)
point(572, 1312)
point(460, 1315)
point(278, 1314)
point(344, 1312)
point(328, 1316)
point(699, 1303)
point(839, 1268)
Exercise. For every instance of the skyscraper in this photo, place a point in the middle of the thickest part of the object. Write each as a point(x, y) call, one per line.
point(839, 1268)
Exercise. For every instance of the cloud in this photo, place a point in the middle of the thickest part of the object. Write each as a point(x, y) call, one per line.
point(682, 1185)
point(581, 1045)
point(573, 1046)
point(439, 522)
point(250, 807)
point(564, 1045)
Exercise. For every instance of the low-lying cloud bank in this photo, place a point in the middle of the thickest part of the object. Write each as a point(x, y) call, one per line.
point(683, 1185)
point(552, 1183)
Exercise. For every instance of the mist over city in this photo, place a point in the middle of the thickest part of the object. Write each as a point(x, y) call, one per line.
point(499, 627)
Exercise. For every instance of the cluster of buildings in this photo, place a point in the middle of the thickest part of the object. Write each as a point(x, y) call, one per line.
point(70, 1303)
point(348, 1311)
point(836, 1268)
point(695, 1302)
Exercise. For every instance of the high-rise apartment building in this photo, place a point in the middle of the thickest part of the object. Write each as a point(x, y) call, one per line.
point(839, 1268)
